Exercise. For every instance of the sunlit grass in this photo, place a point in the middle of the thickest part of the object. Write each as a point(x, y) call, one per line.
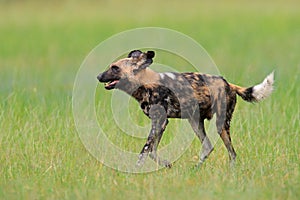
point(41, 49)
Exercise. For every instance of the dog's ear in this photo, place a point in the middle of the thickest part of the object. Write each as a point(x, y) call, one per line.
point(150, 54)
point(147, 59)
point(142, 60)
point(135, 54)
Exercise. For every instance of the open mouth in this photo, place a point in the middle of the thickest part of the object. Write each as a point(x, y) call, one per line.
point(111, 84)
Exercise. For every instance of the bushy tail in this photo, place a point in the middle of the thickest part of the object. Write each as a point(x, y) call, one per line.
point(258, 92)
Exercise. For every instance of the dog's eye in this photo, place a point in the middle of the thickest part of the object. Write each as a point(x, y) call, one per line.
point(115, 69)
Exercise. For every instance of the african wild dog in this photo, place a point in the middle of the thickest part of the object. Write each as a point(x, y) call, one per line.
point(192, 96)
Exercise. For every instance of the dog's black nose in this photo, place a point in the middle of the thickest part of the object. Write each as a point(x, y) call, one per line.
point(99, 77)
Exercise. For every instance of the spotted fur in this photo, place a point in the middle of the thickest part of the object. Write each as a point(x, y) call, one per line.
point(192, 96)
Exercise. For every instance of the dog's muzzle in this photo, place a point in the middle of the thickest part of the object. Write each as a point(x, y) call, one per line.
point(99, 77)
point(108, 83)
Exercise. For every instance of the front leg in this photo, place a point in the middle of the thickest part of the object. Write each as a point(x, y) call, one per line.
point(159, 120)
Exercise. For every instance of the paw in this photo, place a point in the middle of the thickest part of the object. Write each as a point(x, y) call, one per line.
point(141, 160)
point(199, 165)
point(232, 164)
point(166, 163)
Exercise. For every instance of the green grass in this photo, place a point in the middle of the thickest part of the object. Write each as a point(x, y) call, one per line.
point(42, 45)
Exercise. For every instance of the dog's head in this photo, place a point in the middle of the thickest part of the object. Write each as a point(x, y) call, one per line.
point(126, 69)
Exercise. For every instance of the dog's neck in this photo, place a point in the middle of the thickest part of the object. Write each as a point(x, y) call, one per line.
point(145, 78)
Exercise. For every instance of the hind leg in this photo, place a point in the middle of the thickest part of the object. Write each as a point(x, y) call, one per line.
point(225, 135)
point(207, 148)
point(223, 127)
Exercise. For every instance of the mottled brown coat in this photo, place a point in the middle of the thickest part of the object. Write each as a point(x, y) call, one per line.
point(192, 96)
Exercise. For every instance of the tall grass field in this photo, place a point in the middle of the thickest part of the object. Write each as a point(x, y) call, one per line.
point(43, 44)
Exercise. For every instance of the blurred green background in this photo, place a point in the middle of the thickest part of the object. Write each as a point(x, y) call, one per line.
point(42, 45)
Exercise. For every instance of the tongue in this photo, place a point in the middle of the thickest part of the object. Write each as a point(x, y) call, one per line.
point(111, 83)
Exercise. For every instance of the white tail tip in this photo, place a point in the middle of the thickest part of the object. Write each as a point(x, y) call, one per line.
point(264, 89)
